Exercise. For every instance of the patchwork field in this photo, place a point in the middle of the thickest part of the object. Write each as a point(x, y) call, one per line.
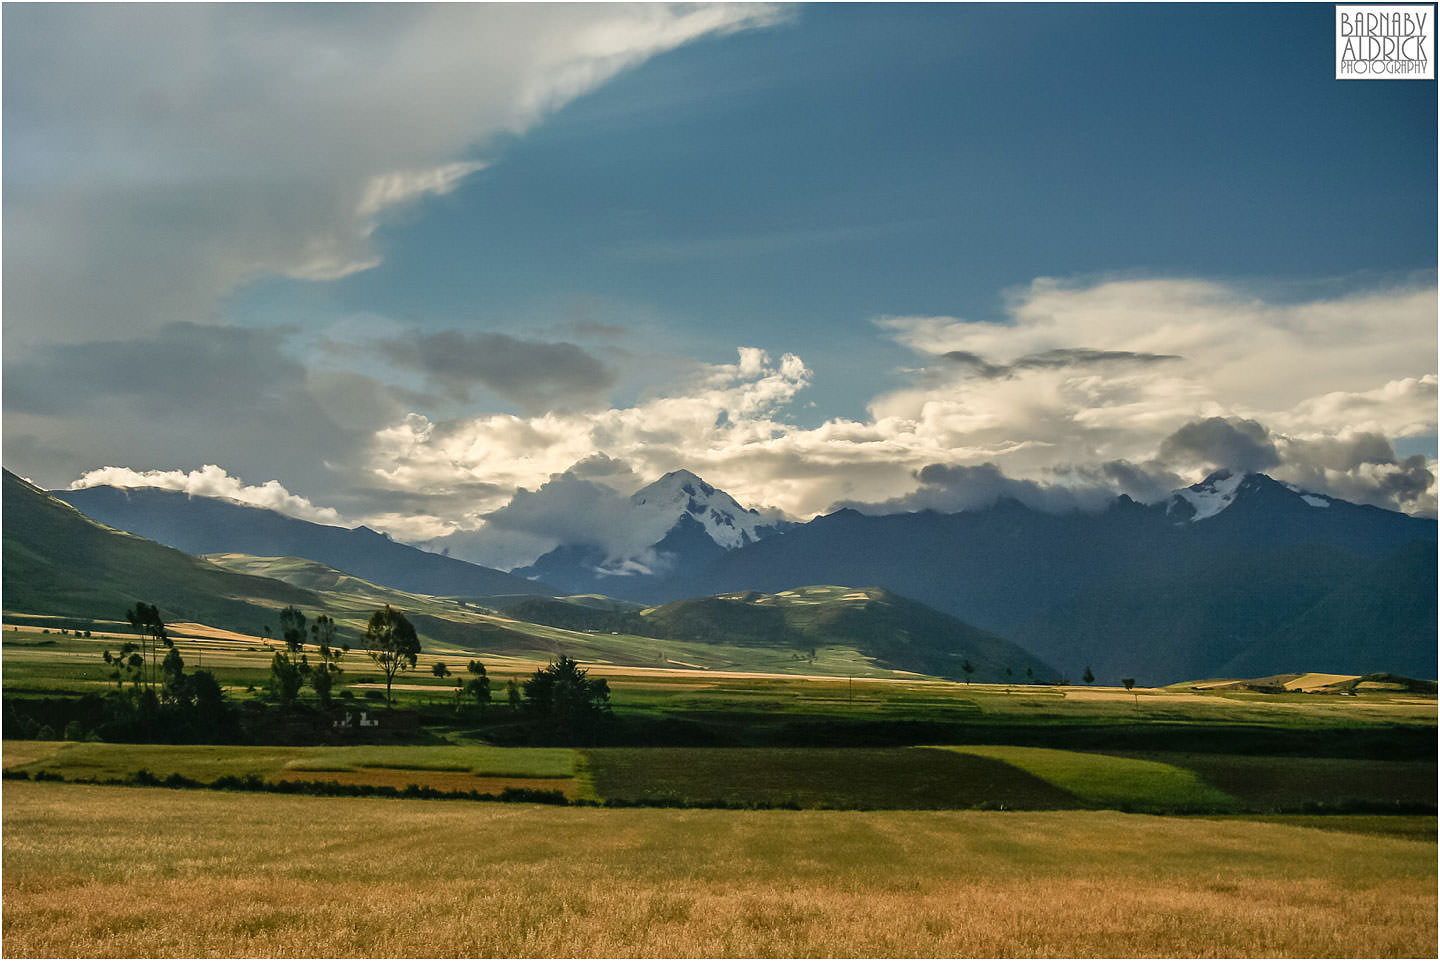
point(128, 871)
point(926, 817)
point(446, 768)
point(916, 778)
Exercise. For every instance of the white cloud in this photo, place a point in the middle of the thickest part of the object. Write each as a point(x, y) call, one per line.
point(213, 481)
point(1080, 386)
point(1075, 394)
point(159, 156)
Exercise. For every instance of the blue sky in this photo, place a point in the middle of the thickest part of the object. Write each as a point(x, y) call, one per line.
point(782, 187)
point(876, 190)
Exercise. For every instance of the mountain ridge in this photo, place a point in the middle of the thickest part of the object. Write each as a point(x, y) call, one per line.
point(202, 525)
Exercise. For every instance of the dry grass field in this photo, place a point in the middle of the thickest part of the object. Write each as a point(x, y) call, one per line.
point(106, 871)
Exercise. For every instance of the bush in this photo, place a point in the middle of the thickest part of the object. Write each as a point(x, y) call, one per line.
point(74, 731)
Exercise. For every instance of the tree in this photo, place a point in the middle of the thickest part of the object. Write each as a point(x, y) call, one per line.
point(322, 675)
point(127, 665)
point(392, 644)
point(1129, 683)
point(285, 679)
point(439, 669)
point(478, 687)
point(145, 619)
point(173, 670)
point(292, 630)
point(968, 668)
point(1089, 676)
point(512, 694)
point(566, 701)
point(1029, 675)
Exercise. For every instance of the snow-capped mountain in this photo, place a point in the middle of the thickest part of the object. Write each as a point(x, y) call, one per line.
point(1238, 570)
point(1224, 489)
point(1207, 498)
point(679, 522)
point(680, 494)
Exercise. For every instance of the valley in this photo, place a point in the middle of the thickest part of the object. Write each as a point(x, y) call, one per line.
point(817, 721)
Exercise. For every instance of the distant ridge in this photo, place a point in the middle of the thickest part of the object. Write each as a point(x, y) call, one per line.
point(1238, 568)
point(58, 561)
point(212, 525)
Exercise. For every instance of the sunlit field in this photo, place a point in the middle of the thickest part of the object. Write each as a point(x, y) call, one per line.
point(145, 872)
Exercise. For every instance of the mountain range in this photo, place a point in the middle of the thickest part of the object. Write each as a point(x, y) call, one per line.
point(1239, 574)
point(1221, 574)
point(213, 525)
point(60, 563)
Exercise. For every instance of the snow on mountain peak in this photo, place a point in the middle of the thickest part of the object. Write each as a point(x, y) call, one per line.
point(680, 493)
point(1210, 496)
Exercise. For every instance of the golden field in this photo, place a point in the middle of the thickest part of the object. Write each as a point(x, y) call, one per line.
point(111, 871)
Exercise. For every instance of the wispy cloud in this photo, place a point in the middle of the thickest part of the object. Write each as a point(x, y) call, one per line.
point(173, 152)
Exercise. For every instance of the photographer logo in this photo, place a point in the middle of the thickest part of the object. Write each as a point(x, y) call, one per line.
point(1385, 42)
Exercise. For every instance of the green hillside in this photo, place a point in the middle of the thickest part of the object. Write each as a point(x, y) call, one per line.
point(893, 631)
point(58, 561)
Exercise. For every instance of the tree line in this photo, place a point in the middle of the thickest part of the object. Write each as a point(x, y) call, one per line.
point(559, 702)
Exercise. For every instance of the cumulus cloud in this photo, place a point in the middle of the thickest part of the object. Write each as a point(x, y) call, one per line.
point(255, 140)
point(1083, 392)
point(212, 481)
point(1080, 413)
point(538, 376)
point(730, 406)
point(1359, 466)
point(1241, 445)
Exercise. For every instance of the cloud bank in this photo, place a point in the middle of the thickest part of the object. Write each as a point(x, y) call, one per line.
point(213, 481)
point(1082, 392)
point(1079, 393)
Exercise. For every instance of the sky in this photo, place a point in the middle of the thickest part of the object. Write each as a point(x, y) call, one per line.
point(462, 273)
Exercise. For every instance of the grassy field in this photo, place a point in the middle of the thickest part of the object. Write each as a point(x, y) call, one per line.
point(92, 871)
point(1104, 781)
point(676, 707)
point(447, 768)
point(984, 776)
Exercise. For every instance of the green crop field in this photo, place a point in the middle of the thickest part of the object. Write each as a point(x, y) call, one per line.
point(995, 777)
point(818, 777)
point(1104, 781)
point(133, 871)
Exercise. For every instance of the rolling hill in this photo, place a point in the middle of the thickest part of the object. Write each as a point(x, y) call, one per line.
point(212, 525)
point(893, 631)
point(58, 561)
